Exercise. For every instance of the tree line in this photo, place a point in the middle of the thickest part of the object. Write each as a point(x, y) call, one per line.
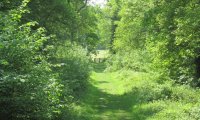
point(44, 63)
point(45, 46)
point(161, 36)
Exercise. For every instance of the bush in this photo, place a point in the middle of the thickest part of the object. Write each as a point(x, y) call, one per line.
point(37, 81)
point(156, 100)
point(29, 96)
point(136, 60)
point(74, 67)
point(28, 89)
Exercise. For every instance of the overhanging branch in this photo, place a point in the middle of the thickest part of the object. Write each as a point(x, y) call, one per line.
point(82, 7)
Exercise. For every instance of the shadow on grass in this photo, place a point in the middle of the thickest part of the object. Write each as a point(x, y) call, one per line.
point(104, 106)
point(99, 105)
point(99, 67)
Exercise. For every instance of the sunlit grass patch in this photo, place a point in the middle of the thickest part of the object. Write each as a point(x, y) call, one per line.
point(129, 95)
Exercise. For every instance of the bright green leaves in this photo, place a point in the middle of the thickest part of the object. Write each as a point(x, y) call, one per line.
point(39, 74)
point(1, 45)
point(19, 42)
point(4, 62)
point(177, 28)
point(26, 78)
point(167, 30)
point(130, 36)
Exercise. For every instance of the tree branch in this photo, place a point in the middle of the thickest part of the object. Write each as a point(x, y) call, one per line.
point(85, 4)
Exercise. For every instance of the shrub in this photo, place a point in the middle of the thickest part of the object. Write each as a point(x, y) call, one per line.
point(28, 89)
point(136, 60)
point(74, 67)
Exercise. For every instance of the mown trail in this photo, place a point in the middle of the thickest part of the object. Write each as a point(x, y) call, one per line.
point(106, 98)
point(124, 95)
point(131, 95)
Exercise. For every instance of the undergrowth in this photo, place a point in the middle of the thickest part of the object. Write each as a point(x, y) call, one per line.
point(161, 101)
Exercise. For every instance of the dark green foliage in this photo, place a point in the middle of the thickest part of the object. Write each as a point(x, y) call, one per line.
point(9, 4)
point(28, 90)
point(69, 20)
point(29, 96)
point(39, 76)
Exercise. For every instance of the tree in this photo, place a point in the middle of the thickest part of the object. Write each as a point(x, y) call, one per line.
point(165, 33)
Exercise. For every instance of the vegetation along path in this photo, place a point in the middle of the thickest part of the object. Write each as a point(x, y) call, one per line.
point(129, 95)
point(107, 98)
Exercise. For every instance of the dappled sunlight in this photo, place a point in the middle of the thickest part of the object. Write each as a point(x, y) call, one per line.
point(127, 95)
point(108, 98)
point(99, 60)
point(108, 83)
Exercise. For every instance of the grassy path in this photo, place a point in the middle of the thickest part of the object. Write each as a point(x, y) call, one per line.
point(129, 95)
point(106, 98)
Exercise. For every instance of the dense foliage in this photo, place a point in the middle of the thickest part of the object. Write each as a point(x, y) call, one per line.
point(40, 71)
point(45, 63)
point(69, 20)
point(161, 36)
point(25, 73)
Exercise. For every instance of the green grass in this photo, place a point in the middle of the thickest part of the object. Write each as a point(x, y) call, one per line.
point(128, 95)
point(105, 99)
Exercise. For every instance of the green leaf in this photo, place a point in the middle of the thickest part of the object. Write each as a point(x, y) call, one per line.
point(4, 62)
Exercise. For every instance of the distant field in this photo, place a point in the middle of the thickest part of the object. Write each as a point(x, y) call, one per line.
point(100, 54)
